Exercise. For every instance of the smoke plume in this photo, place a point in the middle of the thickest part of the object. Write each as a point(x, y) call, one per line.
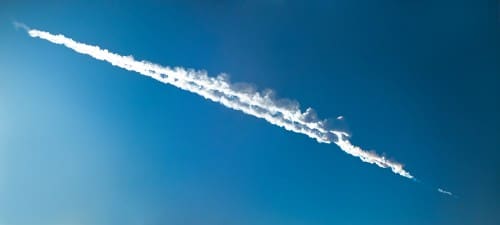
point(218, 89)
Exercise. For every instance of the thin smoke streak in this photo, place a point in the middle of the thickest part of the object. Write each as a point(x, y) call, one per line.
point(445, 192)
point(219, 89)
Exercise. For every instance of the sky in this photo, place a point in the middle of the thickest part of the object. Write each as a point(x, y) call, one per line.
point(86, 143)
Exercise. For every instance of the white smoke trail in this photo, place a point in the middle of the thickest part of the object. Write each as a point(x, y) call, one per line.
point(445, 192)
point(218, 89)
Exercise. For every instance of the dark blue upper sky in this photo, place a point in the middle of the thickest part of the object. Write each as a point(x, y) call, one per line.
point(83, 142)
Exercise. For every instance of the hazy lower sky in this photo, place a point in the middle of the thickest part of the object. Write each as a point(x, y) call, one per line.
point(86, 143)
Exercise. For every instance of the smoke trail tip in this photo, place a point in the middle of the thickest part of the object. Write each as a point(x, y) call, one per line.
point(19, 25)
point(442, 191)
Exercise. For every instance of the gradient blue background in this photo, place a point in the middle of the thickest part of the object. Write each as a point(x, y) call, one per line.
point(86, 143)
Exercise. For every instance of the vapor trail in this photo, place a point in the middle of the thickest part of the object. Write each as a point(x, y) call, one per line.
point(445, 192)
point(219, 89)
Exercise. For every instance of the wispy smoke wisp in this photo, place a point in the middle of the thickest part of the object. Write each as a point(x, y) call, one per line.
point(445, 192)
point(219, 89)
point(23, 26)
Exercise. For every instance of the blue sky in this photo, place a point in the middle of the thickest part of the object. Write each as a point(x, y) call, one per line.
point(83, 142)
